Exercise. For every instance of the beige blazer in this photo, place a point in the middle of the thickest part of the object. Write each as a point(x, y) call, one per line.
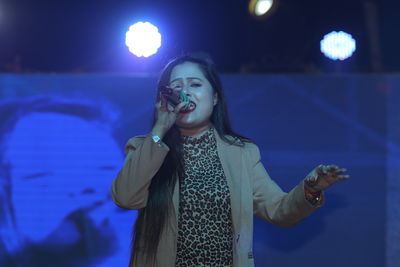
point(252, 191)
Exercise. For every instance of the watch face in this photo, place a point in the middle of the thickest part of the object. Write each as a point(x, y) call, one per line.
point(156, 138)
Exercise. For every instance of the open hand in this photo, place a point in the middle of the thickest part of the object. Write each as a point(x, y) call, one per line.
point(324, 176)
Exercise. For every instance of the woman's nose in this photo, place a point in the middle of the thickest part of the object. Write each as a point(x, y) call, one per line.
point(185, 88)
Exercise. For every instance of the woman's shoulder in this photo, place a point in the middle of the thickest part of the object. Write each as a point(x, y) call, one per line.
point(250, 150)
point(243, 146)
point(250, 147)
point(242, 142)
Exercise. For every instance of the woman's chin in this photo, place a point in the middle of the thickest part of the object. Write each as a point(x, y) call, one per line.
point(186, 125)
point(192, 124)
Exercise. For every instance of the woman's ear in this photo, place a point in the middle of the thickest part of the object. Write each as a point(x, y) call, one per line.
point(215, 100)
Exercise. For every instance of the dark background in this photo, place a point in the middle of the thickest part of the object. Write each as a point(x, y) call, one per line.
point(88, 36)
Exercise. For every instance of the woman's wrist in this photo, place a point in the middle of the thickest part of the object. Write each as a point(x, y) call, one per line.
point(311, 194)
point(312, 183)
point(158, 131)
point(311, 189)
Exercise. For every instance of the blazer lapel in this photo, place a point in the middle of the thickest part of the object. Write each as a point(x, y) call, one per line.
point(231, 160)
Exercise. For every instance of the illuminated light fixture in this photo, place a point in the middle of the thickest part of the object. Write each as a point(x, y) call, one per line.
point(338, 45)
point(143, 39)
point(261, 8)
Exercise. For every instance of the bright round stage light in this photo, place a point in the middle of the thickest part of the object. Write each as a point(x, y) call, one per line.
point(260, 8)
point(338, 45)
point(143, 39)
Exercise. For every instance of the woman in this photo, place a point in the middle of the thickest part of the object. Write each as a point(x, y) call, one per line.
point(197, 184)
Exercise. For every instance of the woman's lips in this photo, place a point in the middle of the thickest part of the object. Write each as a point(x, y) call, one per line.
point(189, 107)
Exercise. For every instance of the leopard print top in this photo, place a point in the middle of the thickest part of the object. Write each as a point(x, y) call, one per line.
point(204, 224)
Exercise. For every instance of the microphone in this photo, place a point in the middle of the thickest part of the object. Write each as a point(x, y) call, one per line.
point(174, 97)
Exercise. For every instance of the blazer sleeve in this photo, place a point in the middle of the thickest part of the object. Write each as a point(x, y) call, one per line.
point(270, 203)
point(143, 159)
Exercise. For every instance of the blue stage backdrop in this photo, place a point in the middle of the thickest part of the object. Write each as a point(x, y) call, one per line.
point(61, 145)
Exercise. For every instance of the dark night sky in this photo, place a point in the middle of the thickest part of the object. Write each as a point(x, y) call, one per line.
point(88, 35)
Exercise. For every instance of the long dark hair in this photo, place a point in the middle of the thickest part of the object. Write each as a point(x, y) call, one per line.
point(151, 220)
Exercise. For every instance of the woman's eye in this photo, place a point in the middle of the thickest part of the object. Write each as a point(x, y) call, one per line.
point(196, 84)
point(176, 87)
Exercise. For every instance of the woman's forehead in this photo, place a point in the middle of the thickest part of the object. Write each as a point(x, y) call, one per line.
point(187, 70)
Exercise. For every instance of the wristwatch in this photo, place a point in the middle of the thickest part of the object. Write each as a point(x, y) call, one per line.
point(156, 139)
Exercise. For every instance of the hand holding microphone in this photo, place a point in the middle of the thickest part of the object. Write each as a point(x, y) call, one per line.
point(174, 97)
point(166, 117)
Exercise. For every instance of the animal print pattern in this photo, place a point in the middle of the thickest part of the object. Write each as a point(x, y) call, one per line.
point(204, 225)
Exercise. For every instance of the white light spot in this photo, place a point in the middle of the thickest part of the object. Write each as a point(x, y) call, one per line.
point(338, 45)
point(262, 7)
point(143, 39)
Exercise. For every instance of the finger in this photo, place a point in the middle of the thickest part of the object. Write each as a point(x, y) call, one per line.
point(340, 171)
point(170, 107)
point(159, 97)
point(332, 168)
point(179, 107)
point(343, 177)
point(163, 100)
point(164, 104)
point(321, 170)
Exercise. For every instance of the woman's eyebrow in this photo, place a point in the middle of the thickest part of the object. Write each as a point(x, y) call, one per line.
point(188, 78)
point(175, 80)
point(194, 78)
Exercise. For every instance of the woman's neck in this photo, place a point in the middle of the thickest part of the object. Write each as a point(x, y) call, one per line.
point(195, 132)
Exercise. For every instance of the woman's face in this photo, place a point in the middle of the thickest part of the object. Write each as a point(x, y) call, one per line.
point(189, 78)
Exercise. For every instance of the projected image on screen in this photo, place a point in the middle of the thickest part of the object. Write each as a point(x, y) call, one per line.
point(58, 159)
